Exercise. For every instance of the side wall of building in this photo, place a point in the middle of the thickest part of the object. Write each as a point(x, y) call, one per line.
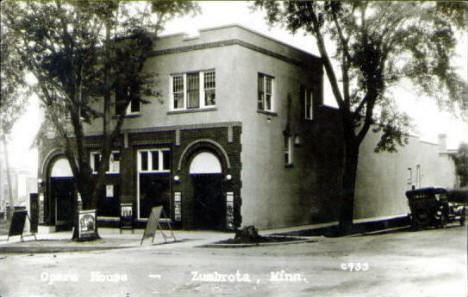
point(273, 193)
point(383, 178)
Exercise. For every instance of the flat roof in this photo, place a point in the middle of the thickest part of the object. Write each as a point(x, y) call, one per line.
point(255, 38)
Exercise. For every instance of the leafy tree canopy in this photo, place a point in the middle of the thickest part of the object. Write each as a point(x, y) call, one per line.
point(12, 74)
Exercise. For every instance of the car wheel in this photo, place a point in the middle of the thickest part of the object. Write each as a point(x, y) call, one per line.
point(422, 217)
point(443, 221)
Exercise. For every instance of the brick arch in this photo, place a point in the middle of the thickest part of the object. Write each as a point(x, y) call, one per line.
point(204, 144)
point(49, 159)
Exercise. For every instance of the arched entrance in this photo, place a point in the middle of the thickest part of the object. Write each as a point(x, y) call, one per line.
point(208, 202)
point(62, 194)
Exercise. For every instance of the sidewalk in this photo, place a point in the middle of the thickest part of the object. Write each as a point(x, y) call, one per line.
point(111, 238)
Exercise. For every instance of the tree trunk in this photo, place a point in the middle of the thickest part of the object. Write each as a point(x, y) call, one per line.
point(7, 165)
point(84, 184)
point(351, 156)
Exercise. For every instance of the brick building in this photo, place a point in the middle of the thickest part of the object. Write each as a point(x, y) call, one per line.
point(240, 136)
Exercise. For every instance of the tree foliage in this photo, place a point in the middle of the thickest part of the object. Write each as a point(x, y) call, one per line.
point(369, 47)
point(12, 74)
point(83, 54)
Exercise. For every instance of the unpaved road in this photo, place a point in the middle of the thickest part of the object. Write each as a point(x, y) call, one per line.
point(413, 264)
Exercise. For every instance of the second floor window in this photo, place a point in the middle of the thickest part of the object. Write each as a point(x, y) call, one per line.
point(265, 92)
point(308, 104)
point(193, 90)
point(288, 151)
point(123, 104)
point(114, 162)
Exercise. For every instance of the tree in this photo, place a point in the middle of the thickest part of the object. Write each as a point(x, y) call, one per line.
point(83, 54)
point(461, 164)
point(376, 46)
point(12, 99)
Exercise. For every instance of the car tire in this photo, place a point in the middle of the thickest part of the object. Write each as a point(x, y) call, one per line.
point(443, 221)
point(422, 217)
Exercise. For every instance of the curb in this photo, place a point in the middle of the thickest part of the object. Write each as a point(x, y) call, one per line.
point(244, 245)
point(59, 249)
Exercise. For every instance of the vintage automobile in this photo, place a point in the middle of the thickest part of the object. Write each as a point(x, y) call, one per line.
point(431, 207)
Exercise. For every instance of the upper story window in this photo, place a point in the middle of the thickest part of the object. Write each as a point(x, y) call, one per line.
point(114, 162)
point(193, 90)
point(288, 151)
point(122, 103)
point(308, 104)
point(265, 92)
point(154, 160)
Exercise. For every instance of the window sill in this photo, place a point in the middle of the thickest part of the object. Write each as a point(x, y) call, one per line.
point(192, 110)
point(107, 173)
point(130, 115)
point(271, 113)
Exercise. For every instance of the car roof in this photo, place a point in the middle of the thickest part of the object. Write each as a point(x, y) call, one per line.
point(428, 190)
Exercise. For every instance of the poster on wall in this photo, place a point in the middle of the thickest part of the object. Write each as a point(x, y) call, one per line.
point(126, 216)
point(109, 191)
point(86, 223)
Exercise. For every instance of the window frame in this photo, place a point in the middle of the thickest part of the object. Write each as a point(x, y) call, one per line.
point(262, 92)
point(308, 98)
point(202, 103)
point(111, 164)
point(150, 161)
point(288, 151)
point(149, 171)
point(127, 109)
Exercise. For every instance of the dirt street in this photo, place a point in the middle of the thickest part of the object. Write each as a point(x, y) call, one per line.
point(403, 263)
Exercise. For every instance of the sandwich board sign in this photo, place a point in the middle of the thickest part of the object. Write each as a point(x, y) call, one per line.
point(17, 223)
point(154, 223)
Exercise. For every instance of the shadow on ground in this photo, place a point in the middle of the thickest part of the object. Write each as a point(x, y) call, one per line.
point(400, 224)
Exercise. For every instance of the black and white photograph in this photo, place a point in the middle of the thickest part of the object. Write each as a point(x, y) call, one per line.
point(233, 148)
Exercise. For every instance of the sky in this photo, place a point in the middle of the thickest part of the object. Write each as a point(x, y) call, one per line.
point(428, 120)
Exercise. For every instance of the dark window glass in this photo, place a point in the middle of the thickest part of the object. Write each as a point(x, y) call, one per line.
point(193, 90)
point(155, 159)
point(267, 93)
point(135, 105)
point(166, 160)
point(210, 88)
point(96, 161)
point(144, 161)
point(178, 91)
point(261, 92)
point(116, 156)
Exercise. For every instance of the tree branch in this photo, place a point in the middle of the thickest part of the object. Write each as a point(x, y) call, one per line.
point(325, 58)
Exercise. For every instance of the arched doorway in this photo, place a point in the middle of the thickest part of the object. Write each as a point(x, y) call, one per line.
point(62, 194)
point(209, 206)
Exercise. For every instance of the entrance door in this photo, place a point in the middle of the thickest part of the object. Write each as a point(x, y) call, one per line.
point(62, 194)
point(209, 206)
point(154, 191)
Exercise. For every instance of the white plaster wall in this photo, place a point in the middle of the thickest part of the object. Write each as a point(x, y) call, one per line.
point(382, 178)
point(272, 195)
